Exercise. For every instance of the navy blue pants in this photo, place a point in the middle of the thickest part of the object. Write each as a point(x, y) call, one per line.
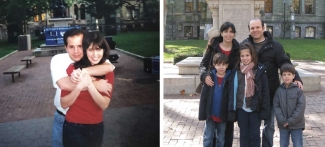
point(82, 135)
point(229, 135)
point(249, 128)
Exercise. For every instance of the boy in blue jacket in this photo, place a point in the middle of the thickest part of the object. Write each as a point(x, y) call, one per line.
point(289, 108)
point(213, 103)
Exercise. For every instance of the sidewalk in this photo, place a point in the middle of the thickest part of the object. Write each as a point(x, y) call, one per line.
point(182, 128)
point(132, 118)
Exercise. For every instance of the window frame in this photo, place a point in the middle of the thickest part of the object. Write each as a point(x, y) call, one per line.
point(313, 6)
point(82, 10)
point(267, 29)
point(189, 1)
point(198, 4)
point(296, 28)
point(75, 11)
point(306, 28)
point(299, 6)
point(271, 1)
point(186, 31)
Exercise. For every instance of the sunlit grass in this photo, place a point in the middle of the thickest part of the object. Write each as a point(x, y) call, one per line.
point(299, 49)
point(183, 46)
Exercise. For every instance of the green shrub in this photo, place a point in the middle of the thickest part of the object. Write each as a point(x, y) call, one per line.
point(181, 56)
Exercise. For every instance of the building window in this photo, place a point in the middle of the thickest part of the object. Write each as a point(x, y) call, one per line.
point(43, 16)
point(310, 32)
point(309, 6)
point(297, 32)
point(188, 30)
point(76, 11)
point(270, 29)
point(82, 12)
point(36, 18)
point(296, 6)
point(188, 6)
point(200, 4)
point(268, 6)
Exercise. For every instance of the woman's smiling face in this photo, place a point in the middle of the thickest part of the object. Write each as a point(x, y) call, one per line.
point(94, 54)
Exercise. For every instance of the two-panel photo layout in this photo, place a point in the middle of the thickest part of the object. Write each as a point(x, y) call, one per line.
point(162, 73)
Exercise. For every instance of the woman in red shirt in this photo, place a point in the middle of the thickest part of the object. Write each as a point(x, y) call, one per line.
point(84, 126)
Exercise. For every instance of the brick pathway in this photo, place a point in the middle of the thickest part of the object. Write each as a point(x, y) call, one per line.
point(27, 104)
point(182, 128)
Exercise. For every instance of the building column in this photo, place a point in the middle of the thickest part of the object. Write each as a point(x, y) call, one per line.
point(302, 4)
point(214, 8)
point(292, 26)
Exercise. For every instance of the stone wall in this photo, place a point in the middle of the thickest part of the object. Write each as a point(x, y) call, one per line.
point(302, 20)
point(274, 19)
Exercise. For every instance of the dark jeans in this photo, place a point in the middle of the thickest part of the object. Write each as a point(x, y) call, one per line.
point(229, 135)
point(249, 128)
point(82, 135)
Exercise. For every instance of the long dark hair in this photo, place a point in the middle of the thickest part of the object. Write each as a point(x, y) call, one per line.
point(96, 39)
point(224, 26)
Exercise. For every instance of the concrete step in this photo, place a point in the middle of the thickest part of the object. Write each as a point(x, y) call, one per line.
point(44, 50)
point(175, 84)
point(311, 82)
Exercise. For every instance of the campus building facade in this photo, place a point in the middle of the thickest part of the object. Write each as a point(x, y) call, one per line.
point(191, 19)
point(132, 16)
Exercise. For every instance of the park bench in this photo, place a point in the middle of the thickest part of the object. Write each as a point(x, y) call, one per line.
point(28, 60)
point(14, 69)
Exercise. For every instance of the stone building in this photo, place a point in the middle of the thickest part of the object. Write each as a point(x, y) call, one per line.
point(191, 19)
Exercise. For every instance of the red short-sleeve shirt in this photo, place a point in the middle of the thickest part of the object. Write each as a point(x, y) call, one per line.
point(84, 110)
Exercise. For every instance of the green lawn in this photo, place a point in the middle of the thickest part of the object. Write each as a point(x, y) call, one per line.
point(299, 49)
point(6, 48)
point(182, 46)
point(141, 43)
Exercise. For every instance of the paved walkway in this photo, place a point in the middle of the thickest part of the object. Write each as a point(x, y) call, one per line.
point(182, 128)
point(26, 116)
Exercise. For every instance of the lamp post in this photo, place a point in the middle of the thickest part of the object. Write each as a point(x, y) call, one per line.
point(172, 4)
point(284, 19)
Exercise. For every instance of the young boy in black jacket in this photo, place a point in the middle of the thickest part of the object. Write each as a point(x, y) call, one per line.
point(213, 104)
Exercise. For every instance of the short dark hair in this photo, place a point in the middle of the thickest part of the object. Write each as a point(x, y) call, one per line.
point(252, 51)
point(262, 22)
point(72, 32)
point(287, 68)
point(220, 58)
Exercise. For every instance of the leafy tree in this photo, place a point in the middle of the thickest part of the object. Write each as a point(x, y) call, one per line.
point(19, 12)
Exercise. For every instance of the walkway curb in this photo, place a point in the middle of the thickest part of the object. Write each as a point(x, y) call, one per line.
point(129, 53)
point(8, 55)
